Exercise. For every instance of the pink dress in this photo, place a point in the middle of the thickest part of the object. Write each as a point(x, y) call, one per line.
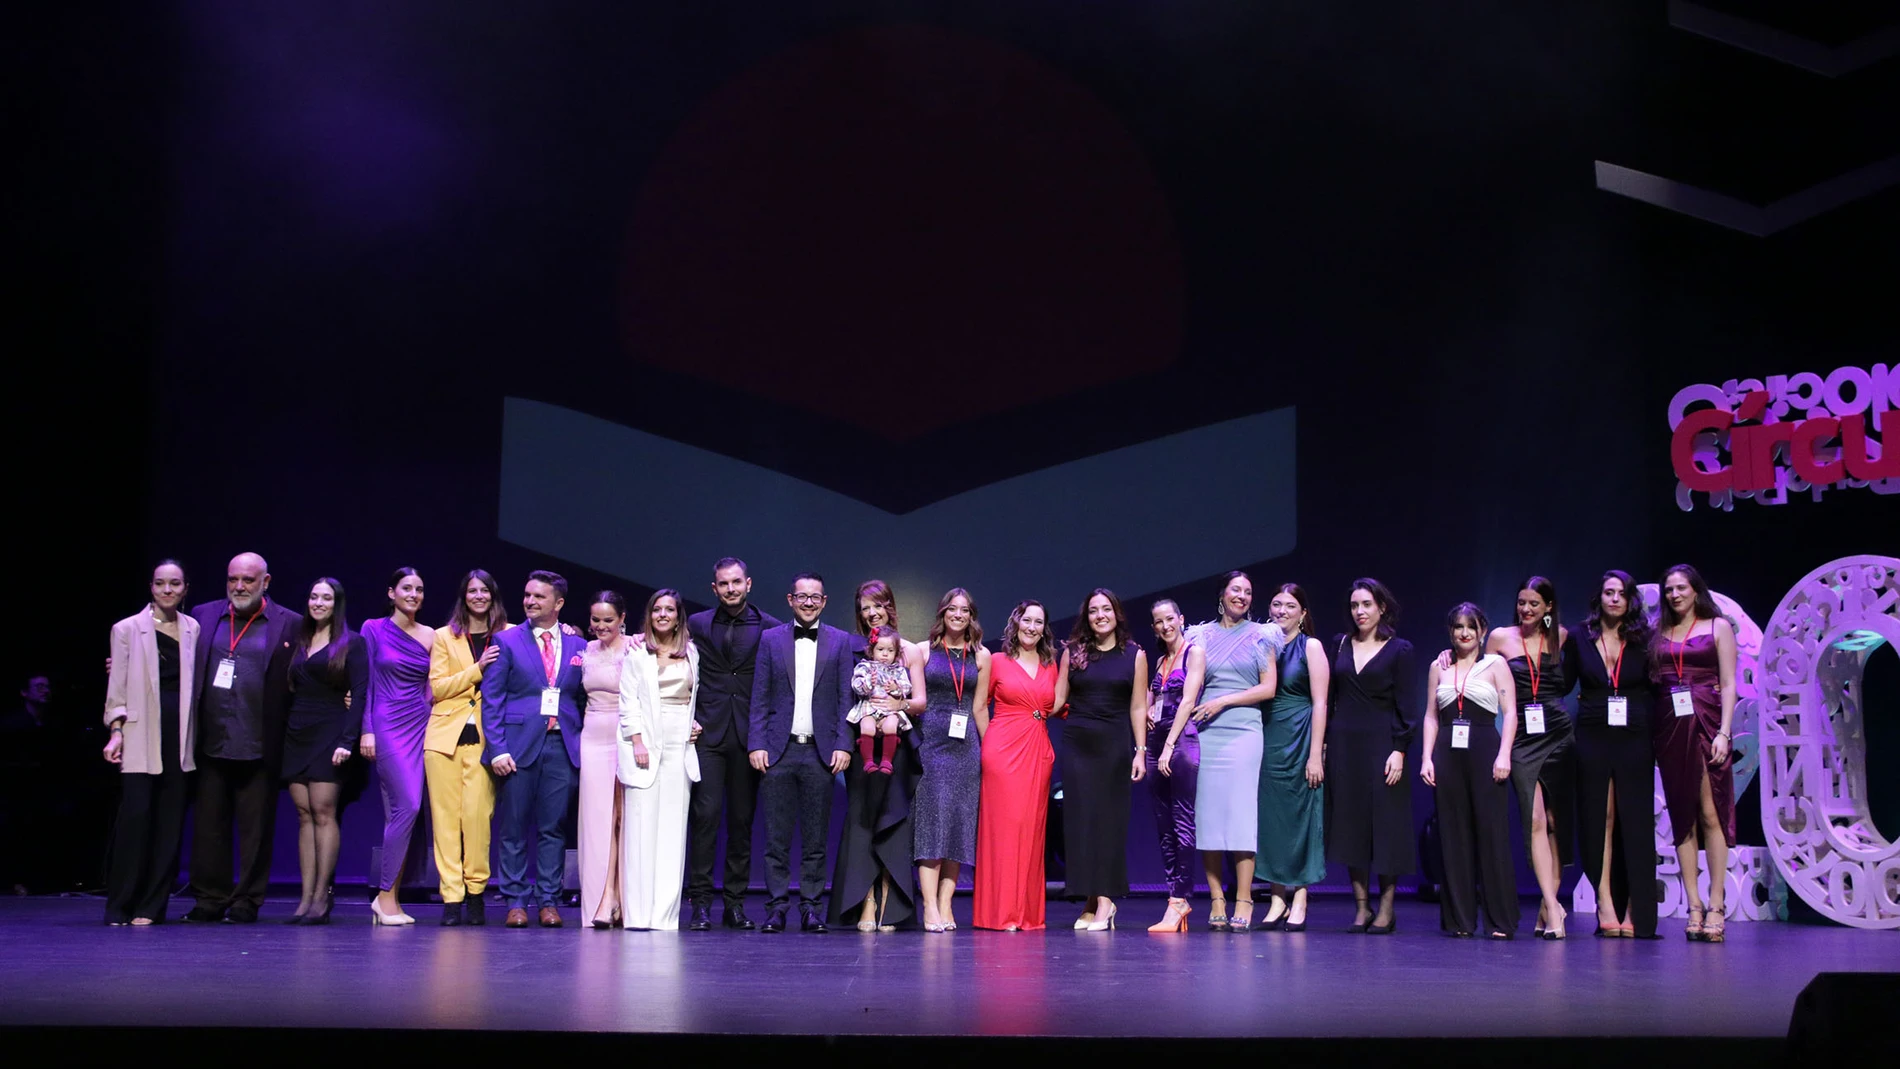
point(1684, 744)
point(600, 723)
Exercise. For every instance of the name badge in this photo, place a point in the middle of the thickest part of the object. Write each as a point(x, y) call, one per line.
point(1619, 712)
point(1461, 734)
point(227, 671)
point(1534, 718)
point(1679, 697)
point(550, 701)
point(959, 725)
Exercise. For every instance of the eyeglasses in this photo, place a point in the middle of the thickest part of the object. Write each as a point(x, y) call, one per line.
point(808, 599)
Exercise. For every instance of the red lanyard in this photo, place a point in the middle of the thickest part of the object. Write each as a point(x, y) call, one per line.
point(247, 626)
point(1683, 647)
point(1459, 682)
point(1534, 664)
point(956, 677)
point(1616, 673)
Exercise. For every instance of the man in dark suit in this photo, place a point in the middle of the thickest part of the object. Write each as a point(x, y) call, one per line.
point(243, 701)
point(728, 641)
point(800, 740)
point(531, 719)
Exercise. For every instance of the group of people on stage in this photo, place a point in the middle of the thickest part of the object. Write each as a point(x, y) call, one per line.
point(1277, 753)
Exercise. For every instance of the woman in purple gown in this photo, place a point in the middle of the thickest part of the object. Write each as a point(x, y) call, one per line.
point(1179, 669)
point(395, 716)
point(1693, 663)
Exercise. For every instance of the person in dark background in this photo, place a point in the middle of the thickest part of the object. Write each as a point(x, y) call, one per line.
point(243, 699)
point(42, 794)
point(329, 683)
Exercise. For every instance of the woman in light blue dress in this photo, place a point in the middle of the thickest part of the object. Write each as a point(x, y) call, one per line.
point(1241, 674)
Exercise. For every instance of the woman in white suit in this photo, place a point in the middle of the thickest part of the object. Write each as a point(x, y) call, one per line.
point(657, 764)
point(148, 708)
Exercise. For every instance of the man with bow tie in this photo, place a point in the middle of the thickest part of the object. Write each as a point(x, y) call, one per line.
point(800, 694)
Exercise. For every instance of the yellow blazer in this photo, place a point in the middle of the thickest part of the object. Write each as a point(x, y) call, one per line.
point(456, 684)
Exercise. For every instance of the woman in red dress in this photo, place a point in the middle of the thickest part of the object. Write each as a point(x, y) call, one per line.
point(1013, 809)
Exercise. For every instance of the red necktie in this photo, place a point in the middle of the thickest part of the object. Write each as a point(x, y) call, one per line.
point(547, 663)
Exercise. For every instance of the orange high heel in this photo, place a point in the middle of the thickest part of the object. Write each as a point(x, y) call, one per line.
point(1176, 919)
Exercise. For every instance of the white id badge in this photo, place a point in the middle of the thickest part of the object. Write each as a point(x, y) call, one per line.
point(1534, 718)
point(1461, 734)
point(1679, 697)
point(227, 671)
point(1619, 712)
point(550, 701)
point(959, 725)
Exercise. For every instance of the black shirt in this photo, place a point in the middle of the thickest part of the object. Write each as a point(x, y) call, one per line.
point(233, 718)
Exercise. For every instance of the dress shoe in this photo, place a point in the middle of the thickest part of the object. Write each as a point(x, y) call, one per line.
point(813, 922)
point(701, 920)
point(203, 915)
point(242, 913)
point(517, 918)
point(451, 915)
point(736, 918)
point(474, 911)
point(774, 921)
point(550, 917)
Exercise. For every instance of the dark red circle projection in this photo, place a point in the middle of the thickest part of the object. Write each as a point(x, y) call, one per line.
point(900, 228)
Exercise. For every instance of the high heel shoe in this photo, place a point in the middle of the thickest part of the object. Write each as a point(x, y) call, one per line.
point(1105, 924)
point(1358, 927)
point(1217, 915)
point(1714, 926)
point(1384, 929)
point(1238, 924)
point(323, 916)
point(377, 918)
point(1176, 919)
point(1082, 923)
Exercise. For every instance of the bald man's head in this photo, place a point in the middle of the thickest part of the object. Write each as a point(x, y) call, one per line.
point(245, 582)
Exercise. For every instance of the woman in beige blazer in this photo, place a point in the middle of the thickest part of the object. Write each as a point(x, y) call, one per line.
point(461, 789)
point(148, 708)
point(657, 764)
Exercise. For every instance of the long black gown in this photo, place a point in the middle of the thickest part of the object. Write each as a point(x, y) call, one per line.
point(1374, 712)
point(1098, 755)
point(1626, 757)
point(1547, 759)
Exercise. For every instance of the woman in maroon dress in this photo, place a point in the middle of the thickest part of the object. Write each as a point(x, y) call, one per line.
point(1013, 807)
point(1693, 662)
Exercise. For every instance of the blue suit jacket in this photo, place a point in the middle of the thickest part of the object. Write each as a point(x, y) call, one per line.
point(511, 698)
point(773, 695)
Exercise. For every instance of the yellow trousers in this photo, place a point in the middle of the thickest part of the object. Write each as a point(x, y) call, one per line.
point(461, 811)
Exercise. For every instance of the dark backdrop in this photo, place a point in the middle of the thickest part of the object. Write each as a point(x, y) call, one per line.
point(282, 267)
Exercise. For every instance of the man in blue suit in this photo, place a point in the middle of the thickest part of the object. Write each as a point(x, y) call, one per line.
point(531, 717)
point(801, 691)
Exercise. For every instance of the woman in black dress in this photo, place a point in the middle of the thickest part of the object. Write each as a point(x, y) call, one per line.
point(1107, 679)
point(1375, 712)
point(1615, 758)
point(871, 884)
point(328, 681)
point(1542, 759)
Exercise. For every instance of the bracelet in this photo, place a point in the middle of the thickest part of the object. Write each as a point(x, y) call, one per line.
point(1724, 735)
point(118, 731)
point(1141, 749)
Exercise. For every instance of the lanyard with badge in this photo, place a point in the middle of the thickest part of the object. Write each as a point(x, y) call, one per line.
point(959, 721)
point(1461, 727)
point(1679, 697)
point(1619, 705)
point(227, 668)
point(1534, 712)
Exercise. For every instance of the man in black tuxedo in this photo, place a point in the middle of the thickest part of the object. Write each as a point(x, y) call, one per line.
point(245, 646)
point(728, 641)
point(800, 740)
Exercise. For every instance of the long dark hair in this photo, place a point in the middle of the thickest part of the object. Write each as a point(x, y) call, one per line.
point(1704, 601)
point(1294, 591)
point(879, 591)
point(1082, 651)
point(683, 636)
point(459, 619)
point(1382, 597)
point(395, 579)
point(1634, 627)
point(972, 636)
point(340, 634)
point(1220, 599)
point(1045, 646)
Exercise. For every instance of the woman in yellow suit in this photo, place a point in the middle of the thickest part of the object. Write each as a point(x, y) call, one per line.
point(461, 789)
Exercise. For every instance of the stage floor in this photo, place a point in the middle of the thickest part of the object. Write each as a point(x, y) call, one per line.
point(64, 968)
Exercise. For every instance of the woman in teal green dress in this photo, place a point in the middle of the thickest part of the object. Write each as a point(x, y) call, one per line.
point(1292, 854)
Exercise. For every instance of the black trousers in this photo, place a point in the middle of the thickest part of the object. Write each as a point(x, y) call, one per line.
point(145, 842)
point(726, 781)
point(246, 792)
point(1626, 757)
point(798, 792)
point(1474, 832)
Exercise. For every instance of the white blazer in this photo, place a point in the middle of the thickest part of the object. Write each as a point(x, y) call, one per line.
point(132, 691)
point(639, 707)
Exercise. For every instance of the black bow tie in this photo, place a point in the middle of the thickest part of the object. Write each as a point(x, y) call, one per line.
point(804, 632)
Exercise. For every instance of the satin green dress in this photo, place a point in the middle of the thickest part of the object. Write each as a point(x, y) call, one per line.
point(1292, 814)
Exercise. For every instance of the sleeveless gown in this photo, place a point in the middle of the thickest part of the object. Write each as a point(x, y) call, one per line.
point(397, 713)
point(1292, 814)
point(1013, 813)
point(594, 831)
point(943, 820)
point(1684, 744)
point(1098, 745)
point(1474, 811)
point(1547, 759)
point(1173, 794)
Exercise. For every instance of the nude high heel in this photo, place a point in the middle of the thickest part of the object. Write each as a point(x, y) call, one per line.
point(1105, 924)
point(377, 918)
point(1176, 919)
